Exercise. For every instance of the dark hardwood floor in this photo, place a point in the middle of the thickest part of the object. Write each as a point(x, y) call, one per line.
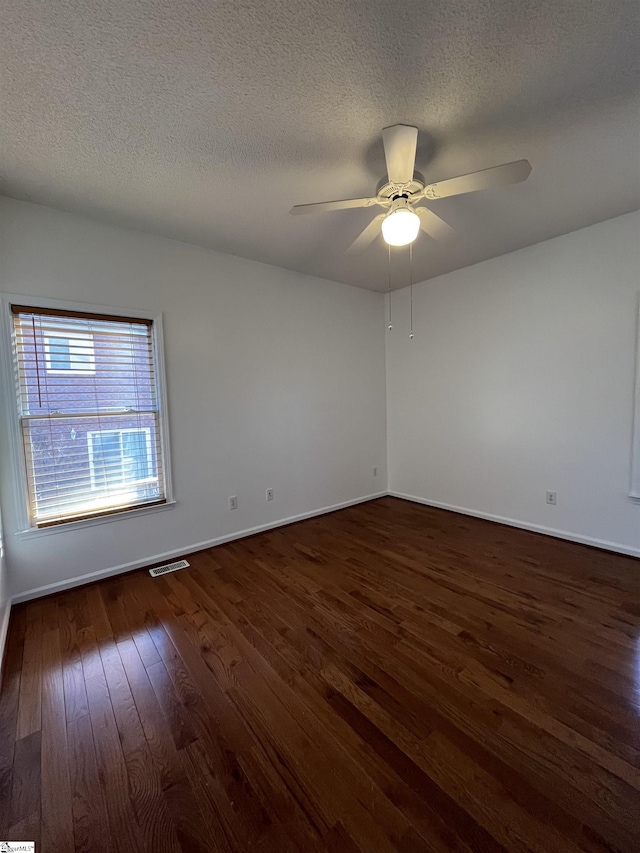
point(388, 677)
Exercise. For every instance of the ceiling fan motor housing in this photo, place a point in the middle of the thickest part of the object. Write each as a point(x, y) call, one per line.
point(388, 190)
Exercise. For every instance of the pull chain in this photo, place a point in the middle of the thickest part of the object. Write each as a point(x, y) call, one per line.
point(411, 291)
point(390, 324)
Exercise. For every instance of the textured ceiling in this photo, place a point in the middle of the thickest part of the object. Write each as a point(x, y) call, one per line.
point(206, 120)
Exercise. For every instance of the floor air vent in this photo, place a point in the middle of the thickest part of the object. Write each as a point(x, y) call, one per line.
point(170, 567)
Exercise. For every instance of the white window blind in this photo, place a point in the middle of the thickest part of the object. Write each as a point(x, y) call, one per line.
point(89, 413)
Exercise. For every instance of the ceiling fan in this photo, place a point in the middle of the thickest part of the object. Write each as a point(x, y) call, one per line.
point(403, 190)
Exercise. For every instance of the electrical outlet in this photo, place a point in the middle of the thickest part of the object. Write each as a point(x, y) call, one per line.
point(233, 502)
point(269, 494)
point(552, 498)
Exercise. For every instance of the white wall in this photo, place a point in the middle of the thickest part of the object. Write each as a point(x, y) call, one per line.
point(5, 602)
point(275, 380)
point(520, 380)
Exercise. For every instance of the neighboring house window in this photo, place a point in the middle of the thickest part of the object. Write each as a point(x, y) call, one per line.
point(89, 412)
point(119, 457)
point(70, 354)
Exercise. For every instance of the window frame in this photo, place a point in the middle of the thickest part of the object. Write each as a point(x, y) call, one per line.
point(25, 525)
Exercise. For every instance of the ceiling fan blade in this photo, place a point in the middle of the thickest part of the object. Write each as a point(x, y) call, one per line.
point(367, 237)
point(322, 206)
point(497, 176)
point(433, 225)
point(399, 144)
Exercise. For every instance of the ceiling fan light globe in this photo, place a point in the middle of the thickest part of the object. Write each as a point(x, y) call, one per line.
point(400, 227)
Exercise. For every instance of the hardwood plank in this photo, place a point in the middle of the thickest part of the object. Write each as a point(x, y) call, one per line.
point(9, 699)
point(26, 830)
point(57, 819)
point(224, 803)
point(144, 781)
point(98, 618)
point(25, 798)
point(122, 820)
point(72, 617)
point(112, 594)
point(146, 647)
point(75, 695)
point(29, 715)
point(157, 731)
point(192, 829)
point(89, 808)
point(175, 713)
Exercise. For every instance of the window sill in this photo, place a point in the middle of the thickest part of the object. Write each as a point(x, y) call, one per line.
point(90, 522)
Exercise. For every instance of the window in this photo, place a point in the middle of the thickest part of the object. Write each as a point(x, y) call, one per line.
point(63, 354)
point(119, 457)
point(90, 420)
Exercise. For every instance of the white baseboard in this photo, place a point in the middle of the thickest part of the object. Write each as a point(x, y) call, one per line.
point(60, 586)
point(525, 525)
point(4, 628)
